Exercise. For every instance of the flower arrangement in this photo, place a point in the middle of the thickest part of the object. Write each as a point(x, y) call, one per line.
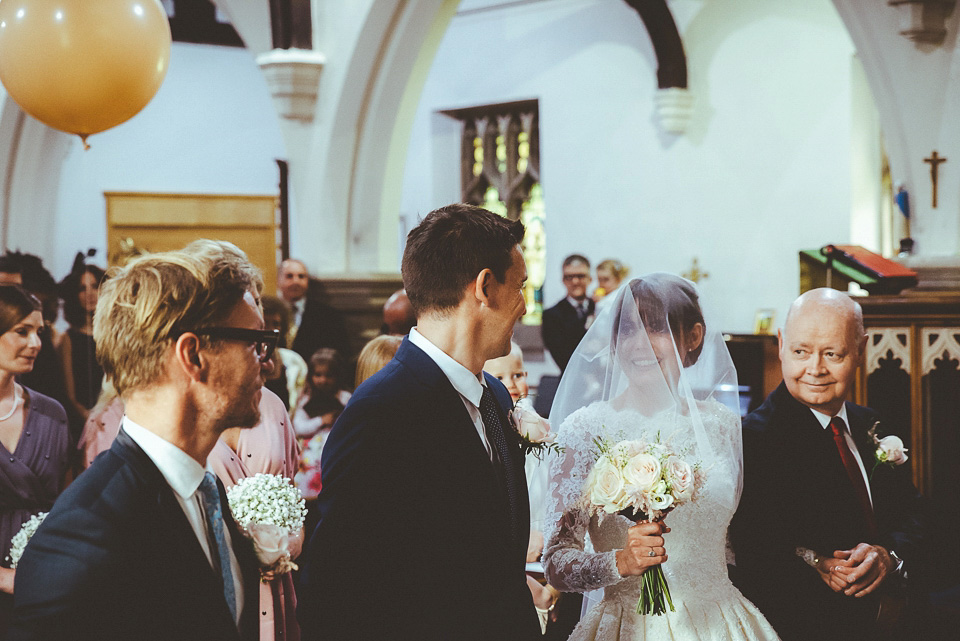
point(534, 430)
point(889, 450)
point(643, 481)
point(271, 511)
point(22, 537)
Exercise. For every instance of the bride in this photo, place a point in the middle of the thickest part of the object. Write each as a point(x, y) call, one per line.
point(650, 365)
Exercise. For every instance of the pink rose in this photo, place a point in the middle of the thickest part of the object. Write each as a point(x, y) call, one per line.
point(680, 478)
point(272, 545)
point(890, 450)
point(531, 425)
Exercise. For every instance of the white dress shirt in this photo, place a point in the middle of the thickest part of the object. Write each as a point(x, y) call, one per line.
point(848, 437)
point(469, 387)
point(298, 306)
point(183, 474)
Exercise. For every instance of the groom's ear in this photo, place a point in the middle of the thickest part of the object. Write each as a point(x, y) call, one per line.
point(481, 286)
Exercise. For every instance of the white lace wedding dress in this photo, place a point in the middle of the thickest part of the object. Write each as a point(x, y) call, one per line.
point(708, 606)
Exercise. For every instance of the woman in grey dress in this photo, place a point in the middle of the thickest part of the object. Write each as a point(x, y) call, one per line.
point(33, 433)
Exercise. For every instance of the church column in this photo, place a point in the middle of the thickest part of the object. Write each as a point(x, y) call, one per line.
point(918, 99)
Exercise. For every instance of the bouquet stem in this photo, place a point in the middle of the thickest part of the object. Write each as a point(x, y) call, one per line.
point(654, 593)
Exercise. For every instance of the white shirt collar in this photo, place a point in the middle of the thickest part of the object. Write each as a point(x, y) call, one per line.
point(578, 304)
point(182, 473)
point(469, 386)
point(825, 418)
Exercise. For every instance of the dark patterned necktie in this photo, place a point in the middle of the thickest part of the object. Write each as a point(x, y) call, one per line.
point(221, 553)
point(503, 457)
point(839, 429)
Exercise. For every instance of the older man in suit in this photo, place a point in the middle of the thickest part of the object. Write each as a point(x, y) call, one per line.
point(824, 538)
point(565, 323)
point(142, 545)
point(424, 517)
point(315, 324)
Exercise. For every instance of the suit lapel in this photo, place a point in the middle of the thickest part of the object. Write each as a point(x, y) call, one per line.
point(450, 404)
point(196, 567)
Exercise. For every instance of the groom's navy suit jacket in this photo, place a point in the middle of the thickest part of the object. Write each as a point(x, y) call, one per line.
point(797, 494)
point(117, 559)
point(414, 536)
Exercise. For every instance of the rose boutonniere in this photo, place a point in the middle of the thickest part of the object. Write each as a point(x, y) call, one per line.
point(534, 430)
point(888, 450)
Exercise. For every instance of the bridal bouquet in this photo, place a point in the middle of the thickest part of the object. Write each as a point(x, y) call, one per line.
point(271, 512)
point(21, 538)
point(643, 481)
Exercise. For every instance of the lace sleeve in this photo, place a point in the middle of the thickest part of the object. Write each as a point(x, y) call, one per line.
point(568, 567)
point(568, 564)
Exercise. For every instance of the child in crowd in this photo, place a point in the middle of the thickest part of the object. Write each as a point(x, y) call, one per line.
point(323, 383)
point(375, 354)
point(510, 371)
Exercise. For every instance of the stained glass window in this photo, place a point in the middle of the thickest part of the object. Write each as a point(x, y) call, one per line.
point(500, 171)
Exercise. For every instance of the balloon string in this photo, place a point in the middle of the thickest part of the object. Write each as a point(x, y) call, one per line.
point(86, 145)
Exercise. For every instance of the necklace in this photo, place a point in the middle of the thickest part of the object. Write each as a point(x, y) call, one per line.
point(16, 403)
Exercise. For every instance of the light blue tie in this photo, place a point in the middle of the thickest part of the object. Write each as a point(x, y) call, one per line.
point(211, 508)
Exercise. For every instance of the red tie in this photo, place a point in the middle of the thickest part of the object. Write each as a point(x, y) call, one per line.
point(853, 471)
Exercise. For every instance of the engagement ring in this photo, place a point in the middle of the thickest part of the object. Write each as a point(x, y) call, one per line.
point(651, 552)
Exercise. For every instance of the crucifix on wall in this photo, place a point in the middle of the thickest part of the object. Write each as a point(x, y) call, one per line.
point(934, 161)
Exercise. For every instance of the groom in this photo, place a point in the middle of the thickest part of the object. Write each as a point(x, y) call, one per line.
point(424, 517)
point(824, 543)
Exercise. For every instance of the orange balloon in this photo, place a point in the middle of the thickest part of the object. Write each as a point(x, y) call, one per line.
point(83, 66)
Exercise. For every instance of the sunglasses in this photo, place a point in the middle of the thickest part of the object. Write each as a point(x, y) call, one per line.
point(264, 340)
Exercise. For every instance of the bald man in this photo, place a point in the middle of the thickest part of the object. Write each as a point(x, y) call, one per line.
point(398, 314)
point(821, 538)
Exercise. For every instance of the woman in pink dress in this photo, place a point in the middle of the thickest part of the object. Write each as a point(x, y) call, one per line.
point(268, 448)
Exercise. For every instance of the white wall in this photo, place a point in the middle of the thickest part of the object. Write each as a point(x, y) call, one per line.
point(764, 171)
point(210, 129)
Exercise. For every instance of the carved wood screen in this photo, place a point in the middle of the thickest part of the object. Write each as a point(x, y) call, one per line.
point(912, 377)
point(500, 171)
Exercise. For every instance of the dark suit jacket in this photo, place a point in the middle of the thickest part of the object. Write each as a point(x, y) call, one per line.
point(117, 559)
point(797, 494)
point(320, 326)
point(562, 330)
point(414, 537)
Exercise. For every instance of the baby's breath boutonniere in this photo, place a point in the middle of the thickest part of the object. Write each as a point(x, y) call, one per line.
point(534, 430)
point(888, 450)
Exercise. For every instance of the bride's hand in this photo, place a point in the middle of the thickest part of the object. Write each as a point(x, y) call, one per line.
point(643, 550)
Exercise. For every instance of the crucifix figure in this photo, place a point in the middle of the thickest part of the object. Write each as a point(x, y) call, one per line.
point(934, 161)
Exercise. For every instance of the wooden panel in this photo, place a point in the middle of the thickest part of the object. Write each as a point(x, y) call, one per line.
point(176, 210)
point(161, 222)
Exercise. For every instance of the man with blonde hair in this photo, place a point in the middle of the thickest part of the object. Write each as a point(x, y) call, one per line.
point(141, 545)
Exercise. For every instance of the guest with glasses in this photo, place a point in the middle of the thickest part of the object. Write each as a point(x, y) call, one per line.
point(565, 323)
point(142, 544)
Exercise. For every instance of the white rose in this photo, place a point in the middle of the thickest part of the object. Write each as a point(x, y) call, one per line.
point(606, 489)
point(890, 450)
point(680, 476)
point(270, 542)
point(531, 425)
point(642, 472)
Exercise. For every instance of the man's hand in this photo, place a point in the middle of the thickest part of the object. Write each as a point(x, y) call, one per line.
point(829, 570)
point(863, 568)
point(642, 539)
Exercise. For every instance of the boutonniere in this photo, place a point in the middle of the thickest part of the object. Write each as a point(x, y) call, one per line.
point(533, 429)
point(888, 450)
